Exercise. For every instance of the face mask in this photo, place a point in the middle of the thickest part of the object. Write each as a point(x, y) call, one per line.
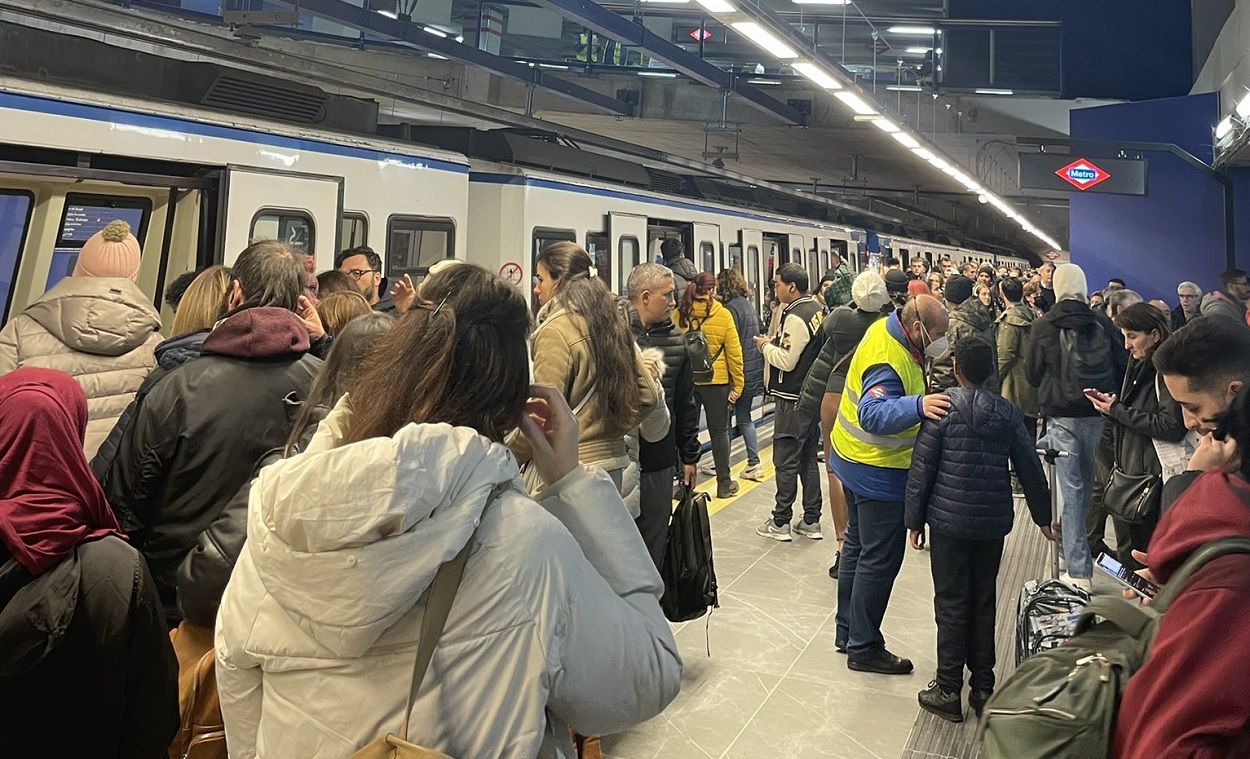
point(937, 348)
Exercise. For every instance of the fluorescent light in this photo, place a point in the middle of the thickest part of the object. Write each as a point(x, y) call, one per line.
point(553, 66)
point(1243, 108)
point(817, 75)
point(992, 91)
point(920, 50)
point(658, 74)
point(906, 139)
point(904, 87)
point(764, 39)
point(924, 153)
point(388, 14)
point(435, 32)
point(855, 103)
point(460, 38)
point(763, 81)
point(443, 57)
point(1223, 128)
point(938, 163)
point(821, 2)
point(670, 2)
point(927, 30)
point(885, 125)
point(717, 6)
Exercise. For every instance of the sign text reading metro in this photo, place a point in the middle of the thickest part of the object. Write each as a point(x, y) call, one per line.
point(1066, 173)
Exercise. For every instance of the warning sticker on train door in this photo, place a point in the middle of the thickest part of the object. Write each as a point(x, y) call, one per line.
point(511, 272)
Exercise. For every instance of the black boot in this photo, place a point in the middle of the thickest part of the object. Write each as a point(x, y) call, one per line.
point(942, 703)
point(977, 699)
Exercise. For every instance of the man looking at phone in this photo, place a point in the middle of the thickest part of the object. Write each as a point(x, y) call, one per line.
point(879, 417)
point(1071, 358)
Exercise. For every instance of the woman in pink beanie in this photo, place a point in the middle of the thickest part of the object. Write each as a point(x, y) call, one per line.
point(96, 326)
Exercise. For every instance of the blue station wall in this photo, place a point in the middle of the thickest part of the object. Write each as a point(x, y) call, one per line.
point(1176, 232)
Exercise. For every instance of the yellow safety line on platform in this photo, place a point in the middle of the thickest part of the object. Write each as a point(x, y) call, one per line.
point(744, 486)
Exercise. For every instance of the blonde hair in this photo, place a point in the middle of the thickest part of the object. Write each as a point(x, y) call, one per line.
point(339, 308)
point(204, 302)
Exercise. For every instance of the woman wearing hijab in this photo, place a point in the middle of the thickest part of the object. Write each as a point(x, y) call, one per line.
point(82, 642)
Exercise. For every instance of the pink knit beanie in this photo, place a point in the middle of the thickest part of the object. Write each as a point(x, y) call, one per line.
point(111, 252)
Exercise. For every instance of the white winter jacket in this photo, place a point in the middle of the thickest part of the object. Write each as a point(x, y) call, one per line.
point(558, 610)
point(103, 332)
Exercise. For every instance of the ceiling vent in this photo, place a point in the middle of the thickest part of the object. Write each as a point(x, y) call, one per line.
point(244, 92)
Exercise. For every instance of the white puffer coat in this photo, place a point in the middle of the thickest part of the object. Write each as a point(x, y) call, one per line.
point(103, 332)
point(558, 610)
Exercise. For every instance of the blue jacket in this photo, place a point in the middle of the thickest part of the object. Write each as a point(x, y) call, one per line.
point(959, 483)
point(885, 411)
point(747, 323)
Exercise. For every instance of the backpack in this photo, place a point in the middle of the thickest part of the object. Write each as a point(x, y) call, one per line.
point(687, 570)
point(702, 362)
point(1063, 702)
point(202, 732)
point(1085, 361)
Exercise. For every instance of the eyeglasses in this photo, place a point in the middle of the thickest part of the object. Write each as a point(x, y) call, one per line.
point(356, 274)
point(1183, 296)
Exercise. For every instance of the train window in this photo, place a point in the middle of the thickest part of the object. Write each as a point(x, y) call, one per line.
point(354, 232)
point(599, 246)
point(707, 254)
point(753, 269)
point(735, 257)
point(295, 228)
point(84, 215)
point(16, 207)
point(415, 243)
point(631, 252)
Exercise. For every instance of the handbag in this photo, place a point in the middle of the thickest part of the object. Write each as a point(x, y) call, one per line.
point(202, 731)
point(1132, 498)
point(439, 598)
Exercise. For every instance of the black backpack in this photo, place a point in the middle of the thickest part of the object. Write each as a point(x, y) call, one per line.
point(1085, 360)
point(702, 362)
point(688, 573)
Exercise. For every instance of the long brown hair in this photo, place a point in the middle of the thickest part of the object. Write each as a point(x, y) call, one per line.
point(204, 302)
point(339, 308)
point(702, 284)
point(730, 284)
point(456, 357)
point(612, 341)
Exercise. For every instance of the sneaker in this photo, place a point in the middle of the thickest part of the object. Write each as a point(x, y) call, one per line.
point(727, 491)
point(809, 530)
point(837, 562)
point(708, 469)
point(770, 530)
point(753, 473)
point(884, 663)
point(942, 703)
point(1081, 583)
point(977, 699)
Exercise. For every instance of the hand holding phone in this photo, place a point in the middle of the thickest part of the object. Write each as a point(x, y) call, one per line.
point(1095, 393)
point(1131, 580)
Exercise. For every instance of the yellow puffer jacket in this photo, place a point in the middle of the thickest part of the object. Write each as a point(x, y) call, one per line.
point(718, 327)
point(103, 332)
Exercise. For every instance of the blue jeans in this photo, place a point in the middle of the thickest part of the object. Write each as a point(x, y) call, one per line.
point(871, 558)
point(746, 428)
point(1079, 437)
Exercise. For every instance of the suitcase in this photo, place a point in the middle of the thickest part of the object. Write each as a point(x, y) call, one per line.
point(1047, 610)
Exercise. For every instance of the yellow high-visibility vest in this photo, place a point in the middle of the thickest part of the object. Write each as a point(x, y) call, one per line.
point(849, 439)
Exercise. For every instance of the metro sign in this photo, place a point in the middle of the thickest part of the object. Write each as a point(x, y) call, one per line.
point(1082, 174)
point(700, 35)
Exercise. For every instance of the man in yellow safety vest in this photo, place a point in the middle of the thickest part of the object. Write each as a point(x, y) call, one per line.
point(878, 418)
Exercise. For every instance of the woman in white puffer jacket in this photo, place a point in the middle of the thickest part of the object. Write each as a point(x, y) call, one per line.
point(556, 622)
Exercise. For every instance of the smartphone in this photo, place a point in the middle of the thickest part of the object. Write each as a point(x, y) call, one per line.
point(1129, 579)
point(1094, 393)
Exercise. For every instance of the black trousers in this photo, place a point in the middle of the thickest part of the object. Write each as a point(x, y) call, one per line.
point(796, 439)
point(964, 602)
point(655, 509)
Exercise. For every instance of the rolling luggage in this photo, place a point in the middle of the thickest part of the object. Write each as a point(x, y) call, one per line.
point(1048, 610)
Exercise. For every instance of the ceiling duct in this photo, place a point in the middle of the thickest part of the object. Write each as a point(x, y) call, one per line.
point(244, 92)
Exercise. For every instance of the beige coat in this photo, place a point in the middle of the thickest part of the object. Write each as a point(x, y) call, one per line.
point(101, 331)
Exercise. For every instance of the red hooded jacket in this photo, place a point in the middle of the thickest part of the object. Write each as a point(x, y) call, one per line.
point(1191, 698)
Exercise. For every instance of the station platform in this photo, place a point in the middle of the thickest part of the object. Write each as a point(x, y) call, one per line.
point(762, 677)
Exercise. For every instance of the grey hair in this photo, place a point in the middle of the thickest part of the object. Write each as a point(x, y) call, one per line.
point(1119, 299)
point(1193, 285)
point(646, 277)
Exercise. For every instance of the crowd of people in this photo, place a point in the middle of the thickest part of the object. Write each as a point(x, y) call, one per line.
point(295, 472)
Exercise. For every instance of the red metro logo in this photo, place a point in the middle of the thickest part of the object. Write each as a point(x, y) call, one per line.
point(1082, 174)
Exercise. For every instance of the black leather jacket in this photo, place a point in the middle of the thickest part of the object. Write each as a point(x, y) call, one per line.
point(681, 445)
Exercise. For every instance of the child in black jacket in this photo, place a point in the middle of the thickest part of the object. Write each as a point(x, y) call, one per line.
point(960, 485)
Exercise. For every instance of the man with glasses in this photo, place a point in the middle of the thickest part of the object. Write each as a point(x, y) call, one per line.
point(1231, 302)
point(1190, 297)
point(364, 267)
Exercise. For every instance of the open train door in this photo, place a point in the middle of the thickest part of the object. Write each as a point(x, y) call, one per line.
point(629, 240)
point(707, 248)
point(304, 210)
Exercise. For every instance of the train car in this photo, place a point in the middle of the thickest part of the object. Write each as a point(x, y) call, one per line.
point(519, 211)
point(196, 187)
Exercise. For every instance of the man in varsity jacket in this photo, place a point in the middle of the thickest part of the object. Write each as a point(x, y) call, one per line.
point(788, 356)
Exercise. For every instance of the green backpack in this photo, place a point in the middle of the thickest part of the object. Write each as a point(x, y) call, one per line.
point(1063, 702)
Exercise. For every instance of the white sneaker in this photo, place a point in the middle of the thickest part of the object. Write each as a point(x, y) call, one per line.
point(753, 473)
point(1077, 582)
point(809, 530)
point(708, 469)
point(770, 530)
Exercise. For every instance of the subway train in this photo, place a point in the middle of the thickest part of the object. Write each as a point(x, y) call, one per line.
point(196, 186)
